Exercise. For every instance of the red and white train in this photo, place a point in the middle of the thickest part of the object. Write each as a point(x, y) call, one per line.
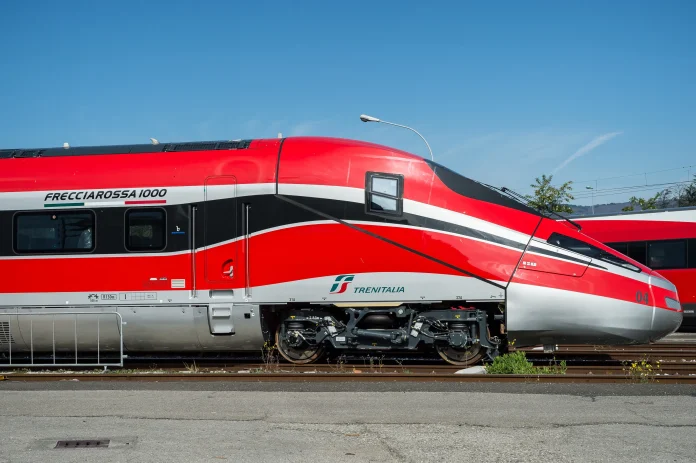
point(309, 243)
point(664, 240)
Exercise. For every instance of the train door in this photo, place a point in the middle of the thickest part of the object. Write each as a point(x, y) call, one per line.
point(224, 273)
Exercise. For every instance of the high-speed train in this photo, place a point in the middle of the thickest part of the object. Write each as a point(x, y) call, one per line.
point(307, 243)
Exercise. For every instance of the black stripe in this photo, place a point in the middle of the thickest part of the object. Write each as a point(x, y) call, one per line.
point(302, 206)
point(356, 211)
point(220, 220)
point(471, 189)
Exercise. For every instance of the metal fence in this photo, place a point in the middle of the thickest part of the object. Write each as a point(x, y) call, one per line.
point(6, 335)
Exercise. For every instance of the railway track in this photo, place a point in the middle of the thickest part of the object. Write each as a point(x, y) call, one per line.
point(677, 364)
point(667, 373)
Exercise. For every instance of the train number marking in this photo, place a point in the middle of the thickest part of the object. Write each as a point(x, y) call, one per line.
point(642, 298)
point(529, 263)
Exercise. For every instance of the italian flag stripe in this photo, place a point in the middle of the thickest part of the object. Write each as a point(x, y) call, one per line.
point(107, 203)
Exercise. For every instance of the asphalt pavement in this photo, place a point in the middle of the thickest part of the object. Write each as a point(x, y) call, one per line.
point(344, 422)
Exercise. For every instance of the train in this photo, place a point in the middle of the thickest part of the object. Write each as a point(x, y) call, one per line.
point(307, 244)
point(662, 239)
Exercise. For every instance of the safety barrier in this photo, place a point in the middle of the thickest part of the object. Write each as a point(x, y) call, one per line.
point(6, 339)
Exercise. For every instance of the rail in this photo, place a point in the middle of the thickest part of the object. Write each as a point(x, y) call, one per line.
point(99, 363)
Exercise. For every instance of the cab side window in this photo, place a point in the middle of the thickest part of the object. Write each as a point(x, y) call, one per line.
point(384, 194)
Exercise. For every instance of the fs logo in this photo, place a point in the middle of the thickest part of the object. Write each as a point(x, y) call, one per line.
point(341, 281)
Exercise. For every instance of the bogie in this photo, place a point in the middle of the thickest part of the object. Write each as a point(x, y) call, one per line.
point(460, 335)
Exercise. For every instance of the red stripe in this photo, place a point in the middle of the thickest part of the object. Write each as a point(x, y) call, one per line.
point(335, 249)
point(597, 282)
point(154, 201)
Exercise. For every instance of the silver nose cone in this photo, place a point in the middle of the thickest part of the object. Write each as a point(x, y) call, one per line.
point(665, 322)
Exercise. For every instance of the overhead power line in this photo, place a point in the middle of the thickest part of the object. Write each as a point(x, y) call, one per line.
point(689, 168)
point(634, 189)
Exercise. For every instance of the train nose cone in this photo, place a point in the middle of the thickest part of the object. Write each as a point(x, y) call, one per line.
point(664, 322)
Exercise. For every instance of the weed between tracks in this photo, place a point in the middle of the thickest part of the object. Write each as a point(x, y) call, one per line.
point(516, 363)
point(642, 370)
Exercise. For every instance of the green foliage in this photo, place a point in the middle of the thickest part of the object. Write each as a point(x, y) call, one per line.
point(687, 195)
point(516, 363)
point(645, 204)
point(684, 196)
point(549, 197)
point(642, 370)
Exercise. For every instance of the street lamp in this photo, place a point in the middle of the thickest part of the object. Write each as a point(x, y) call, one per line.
point(590, 188)
point(593, 190)
point(366, 118)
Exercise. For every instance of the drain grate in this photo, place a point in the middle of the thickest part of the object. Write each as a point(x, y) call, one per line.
point(81, 444)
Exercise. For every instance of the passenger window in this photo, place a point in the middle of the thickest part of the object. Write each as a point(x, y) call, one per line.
point(638, 252)
point(692, 253)
point(146, 229)
point(54, 232)
point(667, 254)
point(384, 193)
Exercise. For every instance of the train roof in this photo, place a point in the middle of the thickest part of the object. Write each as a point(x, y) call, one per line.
point(643, 212)
point(144, 148)
point(147, 148)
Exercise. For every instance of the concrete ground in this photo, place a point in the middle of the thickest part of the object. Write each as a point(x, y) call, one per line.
point(348, 422)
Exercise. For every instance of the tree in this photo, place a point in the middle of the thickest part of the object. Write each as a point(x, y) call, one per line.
point(661, 200)
point(687, 195)
point(548, 197)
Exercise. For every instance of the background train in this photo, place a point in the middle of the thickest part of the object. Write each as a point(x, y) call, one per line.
point(308, 243)
point(664, 240)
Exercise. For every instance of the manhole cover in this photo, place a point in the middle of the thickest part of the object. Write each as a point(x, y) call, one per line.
point(81, 444)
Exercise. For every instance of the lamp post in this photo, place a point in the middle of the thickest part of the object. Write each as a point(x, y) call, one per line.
point(366, 118)
point(593, 190)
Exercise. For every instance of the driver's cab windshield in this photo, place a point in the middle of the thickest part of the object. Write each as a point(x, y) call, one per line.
point(586, 249)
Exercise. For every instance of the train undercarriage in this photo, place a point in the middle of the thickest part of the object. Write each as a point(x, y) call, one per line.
point(303, 334)
point(460, 335)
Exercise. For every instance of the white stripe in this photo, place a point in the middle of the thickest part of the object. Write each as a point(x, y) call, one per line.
point(27, 200)
point(357, 195)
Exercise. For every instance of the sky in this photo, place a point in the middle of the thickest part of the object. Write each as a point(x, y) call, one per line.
point(503, 91)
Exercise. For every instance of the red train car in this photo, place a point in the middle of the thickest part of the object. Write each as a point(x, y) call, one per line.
point(310, 243)
point(664, 240)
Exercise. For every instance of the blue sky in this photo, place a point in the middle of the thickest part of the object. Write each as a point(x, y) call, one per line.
point(503, 92)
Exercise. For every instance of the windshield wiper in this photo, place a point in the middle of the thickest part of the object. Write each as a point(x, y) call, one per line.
point(611, 258)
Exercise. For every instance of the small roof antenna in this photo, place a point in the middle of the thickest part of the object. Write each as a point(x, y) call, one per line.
point(66, 145)
point(154, 141)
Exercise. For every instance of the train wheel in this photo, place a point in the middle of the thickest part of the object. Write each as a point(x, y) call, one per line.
point(297, 351)
point(461, 357)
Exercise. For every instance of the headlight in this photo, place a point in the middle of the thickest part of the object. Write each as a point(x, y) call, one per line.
point(672, 304)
